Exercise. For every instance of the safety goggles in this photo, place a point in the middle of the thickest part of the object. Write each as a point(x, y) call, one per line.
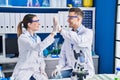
point(70, 17)
point(35, 20)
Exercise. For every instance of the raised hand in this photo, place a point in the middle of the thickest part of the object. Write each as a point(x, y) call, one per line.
point(56, 26)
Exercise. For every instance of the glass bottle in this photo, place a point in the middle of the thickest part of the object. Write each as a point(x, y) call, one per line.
point(59, 75)
point(29, 3)
point(77, 3)
point(87, 3)
point(45, 3)
point(37, 4)
point(117, 74)
point(2, 76)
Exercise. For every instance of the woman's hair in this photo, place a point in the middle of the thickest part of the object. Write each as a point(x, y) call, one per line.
point(78, 11)
point(24, 23)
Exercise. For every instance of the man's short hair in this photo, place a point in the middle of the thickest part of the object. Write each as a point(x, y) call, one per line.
point(78, 11)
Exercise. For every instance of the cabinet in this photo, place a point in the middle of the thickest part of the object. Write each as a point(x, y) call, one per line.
point(117, 37)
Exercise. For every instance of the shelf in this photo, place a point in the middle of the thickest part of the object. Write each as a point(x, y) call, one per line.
point(38, 9)
point(8, 71)
point(42, 7)
point(8, 60)
point(14, 60)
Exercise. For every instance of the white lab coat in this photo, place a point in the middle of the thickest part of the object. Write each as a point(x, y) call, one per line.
point(81, 40)
point(31, 61)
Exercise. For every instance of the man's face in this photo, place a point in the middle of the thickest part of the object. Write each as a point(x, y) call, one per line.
point(73, 19)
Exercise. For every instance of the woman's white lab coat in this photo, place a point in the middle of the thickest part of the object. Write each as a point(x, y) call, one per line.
point(31, 61)
point(79, 40)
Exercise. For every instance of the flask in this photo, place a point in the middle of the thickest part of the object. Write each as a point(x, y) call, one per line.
point(29, 3)
point(2, 76)
point(87, 3)
point(59, 75)
point(37, 3)
point(117, 74)
point(45, 3)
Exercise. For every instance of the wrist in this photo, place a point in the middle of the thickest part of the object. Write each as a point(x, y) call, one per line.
point(60, 30)
point(54, 33)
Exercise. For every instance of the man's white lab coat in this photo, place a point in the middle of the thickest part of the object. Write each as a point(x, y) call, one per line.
point(79, 40)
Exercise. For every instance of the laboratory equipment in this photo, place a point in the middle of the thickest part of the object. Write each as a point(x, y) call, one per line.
point(58, 75)
point(56, 43)
point(87, 3)
point(45, 3)
point(45, 52)
point(78, 72)
point(2, 76)
point(29, 3)
point(55, 49)
point(77, 3)
point(117, 74)
point(37, 4)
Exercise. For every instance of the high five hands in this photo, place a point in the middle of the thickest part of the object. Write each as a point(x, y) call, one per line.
point(56, 26)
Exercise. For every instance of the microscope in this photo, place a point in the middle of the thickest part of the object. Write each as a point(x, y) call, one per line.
point(79, 73)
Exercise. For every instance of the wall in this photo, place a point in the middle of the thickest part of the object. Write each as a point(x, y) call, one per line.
point(105, 25)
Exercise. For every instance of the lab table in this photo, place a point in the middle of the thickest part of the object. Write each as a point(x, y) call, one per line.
point(96, 77)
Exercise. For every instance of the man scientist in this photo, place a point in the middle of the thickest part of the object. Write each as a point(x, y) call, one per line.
point(78, 39)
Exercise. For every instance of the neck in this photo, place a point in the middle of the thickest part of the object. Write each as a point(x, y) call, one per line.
point(76, 26)
point(31, 32)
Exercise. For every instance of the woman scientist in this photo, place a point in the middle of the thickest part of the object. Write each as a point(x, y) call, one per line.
point(31, 65)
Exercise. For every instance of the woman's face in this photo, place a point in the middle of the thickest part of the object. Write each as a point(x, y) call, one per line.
point(34, 25)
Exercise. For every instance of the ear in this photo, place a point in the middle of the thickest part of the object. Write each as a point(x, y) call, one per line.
point(80, 18)
point(29, 24)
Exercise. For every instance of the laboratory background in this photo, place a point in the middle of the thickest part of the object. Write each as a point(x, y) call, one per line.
point(102, 16)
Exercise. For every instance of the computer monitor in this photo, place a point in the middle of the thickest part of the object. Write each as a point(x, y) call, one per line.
point(2, 45)
point(11, 47)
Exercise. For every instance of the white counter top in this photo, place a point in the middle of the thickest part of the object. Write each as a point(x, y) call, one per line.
point(96, 77)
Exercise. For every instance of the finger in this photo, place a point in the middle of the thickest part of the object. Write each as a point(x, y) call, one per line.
point(52, 74)
point(55, 20)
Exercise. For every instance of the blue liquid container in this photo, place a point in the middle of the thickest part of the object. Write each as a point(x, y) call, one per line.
point(2, 76)
point(45, 3)
point(77, 3)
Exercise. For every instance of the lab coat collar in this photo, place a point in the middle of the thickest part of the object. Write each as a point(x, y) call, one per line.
point(78, 29)
point(29, 35)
